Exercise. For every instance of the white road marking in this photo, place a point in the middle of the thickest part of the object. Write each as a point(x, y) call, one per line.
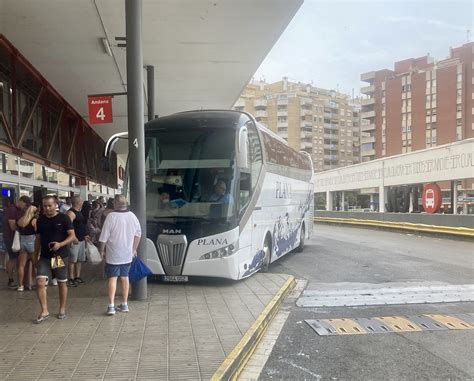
point(363, 294)
point(259, 358)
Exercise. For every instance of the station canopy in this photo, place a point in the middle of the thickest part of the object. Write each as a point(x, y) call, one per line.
point(204, 52)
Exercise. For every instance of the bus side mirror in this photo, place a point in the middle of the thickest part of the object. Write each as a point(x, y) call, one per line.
point(106, 164)
point(242, 154)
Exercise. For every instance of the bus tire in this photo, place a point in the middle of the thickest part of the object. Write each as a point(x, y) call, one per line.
point(267, 248)
point(300, 247)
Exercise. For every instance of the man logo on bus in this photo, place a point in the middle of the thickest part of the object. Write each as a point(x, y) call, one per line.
point(171, 231)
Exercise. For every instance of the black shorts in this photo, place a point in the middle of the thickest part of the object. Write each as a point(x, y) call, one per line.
point(44, 270)
point(11, 254)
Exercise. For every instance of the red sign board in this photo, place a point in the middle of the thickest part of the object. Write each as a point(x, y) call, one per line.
point(100, 110)
point(432, 198)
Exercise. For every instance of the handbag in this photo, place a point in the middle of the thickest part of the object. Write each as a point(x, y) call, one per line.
point(138, 270)
point(16, 242)
point(57, 262)
point(92, 253)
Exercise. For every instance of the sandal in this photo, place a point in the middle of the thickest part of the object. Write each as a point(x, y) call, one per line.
point(62, 316)
point(41, 319)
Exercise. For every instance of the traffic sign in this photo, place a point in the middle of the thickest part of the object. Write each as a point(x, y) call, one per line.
point(432, 198)
point(100, 109)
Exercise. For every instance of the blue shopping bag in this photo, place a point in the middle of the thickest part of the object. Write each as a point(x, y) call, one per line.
point(138, 270)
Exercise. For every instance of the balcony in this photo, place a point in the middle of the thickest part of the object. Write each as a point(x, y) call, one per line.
point(367, 127)
point(367, 153)
point(367, 102)
point(367, 114)
point(368, 77)
point(330, 147)
point(282, 113)
point(260, 103)
point(282, 124)
point(331, 137)
point(304, 145)
point(282, 101)
point(367, 89)
point(367, 139)
point(331, 126)
point(304, 112)
point(261, 114)
point(306, 102)
point(331, 157)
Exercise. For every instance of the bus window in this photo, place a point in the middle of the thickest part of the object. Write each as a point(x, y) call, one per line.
point(245, 188)
point(255, 154)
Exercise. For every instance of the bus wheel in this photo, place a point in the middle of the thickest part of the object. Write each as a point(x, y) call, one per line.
point(267, 249)
point(300, 247)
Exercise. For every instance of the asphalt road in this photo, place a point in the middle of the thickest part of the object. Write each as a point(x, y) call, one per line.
point(350, 256)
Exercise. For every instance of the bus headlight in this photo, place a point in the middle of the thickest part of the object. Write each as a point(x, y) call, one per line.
point(221, 253)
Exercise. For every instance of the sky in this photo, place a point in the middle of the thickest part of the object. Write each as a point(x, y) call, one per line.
point(329, 43)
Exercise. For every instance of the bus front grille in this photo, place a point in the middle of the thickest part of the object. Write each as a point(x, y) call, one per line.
point(171, 249)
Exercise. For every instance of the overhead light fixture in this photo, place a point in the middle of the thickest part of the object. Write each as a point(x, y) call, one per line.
point(106, 46)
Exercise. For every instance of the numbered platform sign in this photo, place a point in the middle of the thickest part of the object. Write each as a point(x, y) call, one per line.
point(100, 110)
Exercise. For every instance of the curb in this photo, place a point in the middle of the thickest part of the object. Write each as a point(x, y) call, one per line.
point(456, 231)
point(234, 363)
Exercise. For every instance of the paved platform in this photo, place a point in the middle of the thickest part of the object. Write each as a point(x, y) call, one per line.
point(181, 332)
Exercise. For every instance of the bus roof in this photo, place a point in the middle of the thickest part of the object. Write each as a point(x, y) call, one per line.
point(200, 118)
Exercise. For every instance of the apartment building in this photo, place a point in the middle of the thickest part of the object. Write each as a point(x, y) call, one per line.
point(421, 103)
point(324, 123)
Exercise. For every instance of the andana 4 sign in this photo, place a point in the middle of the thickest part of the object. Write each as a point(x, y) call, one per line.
point(100, 109)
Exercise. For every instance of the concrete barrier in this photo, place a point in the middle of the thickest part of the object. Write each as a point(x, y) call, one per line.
point(445, 220)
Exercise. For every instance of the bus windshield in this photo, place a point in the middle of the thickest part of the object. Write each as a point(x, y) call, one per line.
point(190, 173)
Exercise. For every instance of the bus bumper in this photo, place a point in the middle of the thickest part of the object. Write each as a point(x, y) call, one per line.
point(227, 267)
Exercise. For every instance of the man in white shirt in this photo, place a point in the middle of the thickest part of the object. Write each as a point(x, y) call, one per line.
point(66, 206)
point(119, 241)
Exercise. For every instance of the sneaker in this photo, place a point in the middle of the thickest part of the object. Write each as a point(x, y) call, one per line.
point(54, 282)
point(122, 308)
point(71, 283)
point(11, 284)
point(20, 288)
point(110, 310)
point(79, 281)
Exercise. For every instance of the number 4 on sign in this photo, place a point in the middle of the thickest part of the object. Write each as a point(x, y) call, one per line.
point(100, 114)
point(135, 143)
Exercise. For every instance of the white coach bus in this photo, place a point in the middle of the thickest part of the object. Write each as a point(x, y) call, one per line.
point(225, 196)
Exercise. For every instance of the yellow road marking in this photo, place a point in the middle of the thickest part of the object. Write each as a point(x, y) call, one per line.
point(346, 326)
point(399, 323)
point(451, 322)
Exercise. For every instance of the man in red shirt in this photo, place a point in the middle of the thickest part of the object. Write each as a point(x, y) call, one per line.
point(11, 215)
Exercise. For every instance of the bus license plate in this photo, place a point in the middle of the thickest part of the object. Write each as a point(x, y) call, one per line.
point(175, 278)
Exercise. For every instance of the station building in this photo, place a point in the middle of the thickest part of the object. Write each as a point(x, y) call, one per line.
point(46, 146)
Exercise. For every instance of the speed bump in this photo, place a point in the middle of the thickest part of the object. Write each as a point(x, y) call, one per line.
point(346, 327)
point(400, 324)
point(452, 322)
point(391, 324)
